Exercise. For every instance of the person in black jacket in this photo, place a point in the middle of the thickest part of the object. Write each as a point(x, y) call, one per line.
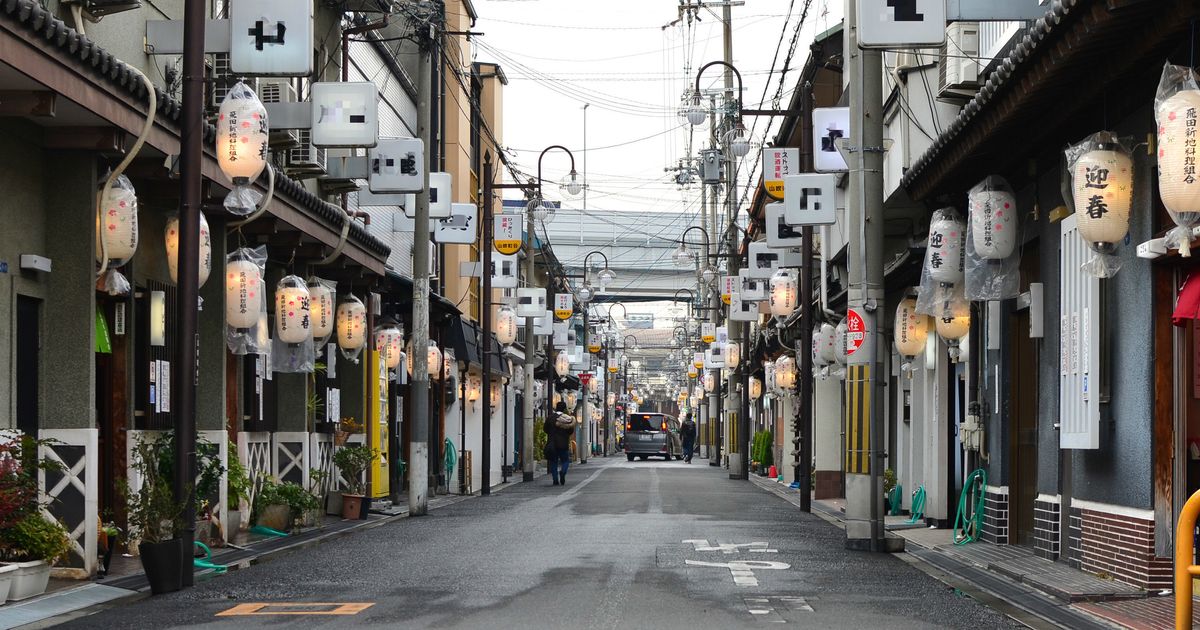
point(559, 429)
point(687, 433)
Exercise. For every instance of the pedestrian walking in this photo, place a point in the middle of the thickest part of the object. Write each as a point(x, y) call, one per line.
point(559, 429)
point(687, 432)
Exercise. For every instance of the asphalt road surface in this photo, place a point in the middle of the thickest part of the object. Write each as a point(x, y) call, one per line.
point(624, 545)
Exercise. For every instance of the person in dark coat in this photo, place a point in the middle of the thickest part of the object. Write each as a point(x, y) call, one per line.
point(687, 433)
point(559, 429)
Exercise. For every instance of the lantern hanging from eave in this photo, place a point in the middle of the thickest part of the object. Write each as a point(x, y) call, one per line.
point(992, 210)
point(449, 363)
point(953, 329)
point(613, 365)
point(474, 387)
point(243, 289)
point(495, 396)
point(784, 293)
point(698, 394)
point(755, 388)
point(389, 342)
point(562, 363)
point(785, 373)
point(1102, 193)
point(944, 254)
point(698, 360)
point(242, 134)
point(292, 322)
point(171, 239)
point(769, 376)
point(593, 385)
point(824, 344)
point(351, 326)
point(839, 345)
point(572, 399)
point(710, 381)
point(910, 328)
point(733, 354)
point(322, 297)
point(506, 325)
point(117, 222)
point(1177, 112)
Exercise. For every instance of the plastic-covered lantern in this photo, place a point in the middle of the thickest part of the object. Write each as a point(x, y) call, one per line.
point(944, 255)
point(992, 208)
point(755, 388)
point(769, 376)
point(824, 344)
point(351, 327)
point(389, 342)
point(910, 328)
point(171, 239)
point(292, 321)
point(613, 365)
point(1102, 192)
point(710, 381)
point(242, 133)
point(784, 293)
point(116, 233)
point(733, 354)
point(839, 344)
point(1177, 112)
point(593, 385)
point(562, 363)
point(321, 296)
point(785, 373)
point(244, 288)
point(506, 325)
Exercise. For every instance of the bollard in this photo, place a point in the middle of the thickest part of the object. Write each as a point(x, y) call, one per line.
point(1184, 569)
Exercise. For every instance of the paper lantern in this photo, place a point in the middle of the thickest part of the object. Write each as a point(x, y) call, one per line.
point(474, 388)
point(698, 360)
point(612, 399)
point(733, 354)
point(769, 376)
point(1178, 183)
point(953, 328)
point(692, 371)
point(613, 365)
point(824, 344)
point(243, 290)
point(572, 399)
point(910, 328)
point(293, 324)
point(389, 342)
point(506, 325)
point(1102, 193)
point(495, 396)
point(944, 255)
point(698, 394)
point(171, 238)
point(593, 385)
point(321, 298)
point(993, 215)
point(448, 363)
point(839, 346)
point(710, 381)
point(117, 223)
point(594, 342)
point(785, 373)
point(351, 324)
point(562, 363)
point(433, 360)
point(755, 388)
point(784, 293)
point(242, 134)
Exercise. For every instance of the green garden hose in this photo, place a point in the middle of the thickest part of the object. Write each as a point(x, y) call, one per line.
point(968, 526)
point(451, 458)
point(206, 562)
point(894, 499)
point(918, 506)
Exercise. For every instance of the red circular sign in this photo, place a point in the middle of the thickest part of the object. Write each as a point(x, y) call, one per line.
point(856, 331)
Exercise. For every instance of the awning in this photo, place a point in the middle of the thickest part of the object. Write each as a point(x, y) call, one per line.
point(463, 336)
point(1188, 305)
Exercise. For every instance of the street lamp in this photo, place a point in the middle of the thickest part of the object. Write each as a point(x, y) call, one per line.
point(694, 111)
point(570, 185)
point(605, 277)
point(683, 256)
point(696, 120)
point(737, 141)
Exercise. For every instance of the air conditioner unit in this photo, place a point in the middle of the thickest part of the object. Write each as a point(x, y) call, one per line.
point(337, 185)
point(279, 91)
point(223, 78)
point(959, 62)
point(305, 160)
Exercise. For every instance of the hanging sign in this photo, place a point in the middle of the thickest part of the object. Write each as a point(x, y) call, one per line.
point(777, 163)
point(708, 332)
point(856, 331)
point(506, 233)
point(585, 378)
point(729, 286)
point(563, 305)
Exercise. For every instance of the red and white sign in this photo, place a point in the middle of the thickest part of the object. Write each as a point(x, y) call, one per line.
point(585, 378)
point(856, 331)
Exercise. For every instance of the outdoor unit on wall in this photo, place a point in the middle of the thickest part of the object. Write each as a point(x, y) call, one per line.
point(1080, 339)
point(222, 78)
point(305, 160)
point(279, 91)
point(958, 61)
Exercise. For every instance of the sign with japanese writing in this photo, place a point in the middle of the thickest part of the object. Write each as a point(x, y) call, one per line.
point(564, 305)
point(778, 162)
point(901, 23)
point(459, 228)
point(345, 114)
point(856, 331)
point(708, 332)
point(811, 199)
point(729, 286)
point(396, 165)
point(271, 38)
point(506, 233)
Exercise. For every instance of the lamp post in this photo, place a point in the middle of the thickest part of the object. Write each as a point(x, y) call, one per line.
point(585, 427)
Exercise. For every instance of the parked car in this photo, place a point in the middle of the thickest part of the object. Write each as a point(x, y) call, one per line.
point(649, 434)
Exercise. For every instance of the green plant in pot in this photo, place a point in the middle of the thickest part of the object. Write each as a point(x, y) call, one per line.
point(30, 542)
point(237, 492)
point(352, 462)
point(155, 515)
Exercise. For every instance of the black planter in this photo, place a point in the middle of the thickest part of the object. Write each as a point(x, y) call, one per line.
point(364, 508)
point(163, 562)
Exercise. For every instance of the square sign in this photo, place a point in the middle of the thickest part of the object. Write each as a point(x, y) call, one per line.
point(752, 289)
point(742, 310)
point(813, 199)
point(777, 163)
point(460, 227)
point(764, 260)
point(531, 302)
point(901, 23)
point(506, 233)
point(396, 165)
point(505, 273)
point(345, 114)
point(780, 233)
point(543, 324)
point(271, 38)
point(439, 195)
point(560, 334)
point(829, 124)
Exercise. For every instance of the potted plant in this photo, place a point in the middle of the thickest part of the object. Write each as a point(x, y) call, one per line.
point(271, 508)
point(237, 492)
point(300, 504)
point(29, 542)
point(155, 515)
point(32, 545)
point(352, 462)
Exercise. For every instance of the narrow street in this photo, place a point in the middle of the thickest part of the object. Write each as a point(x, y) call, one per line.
point(607, 551)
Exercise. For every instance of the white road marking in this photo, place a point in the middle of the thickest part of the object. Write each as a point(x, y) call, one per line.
point(730, 548)
point(742, 571)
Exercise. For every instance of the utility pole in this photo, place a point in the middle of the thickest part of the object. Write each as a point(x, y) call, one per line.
point(713, 298)
point(418, 476)
point(530, 356)
point(804, 429)
point(485, 324)
point(736, 389)
point(864, 373)
point(585, 439)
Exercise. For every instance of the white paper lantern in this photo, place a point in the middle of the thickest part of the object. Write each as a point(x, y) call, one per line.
point(824, 344)
point(562, 363)
point(292, 322)
point(506, 325)
point(242, 134)
point(692, 371)
point(613, 365)
point(1178, 181)
point(698, 394)
point(710, 381)
point(243, 292)
point(448, 362)
point(433, 360)
point(171, 237)
point(320, 306)
point(389, 342)
point(117, 225)
point(572, 399)
point(784, 293)
point(1103, 195)
point(755, 388)
point(769, 377)
point(839, 346)
point(351, 324)
point(733, 354)
point(944, 256)
point(910, 328)
point(953, 328)
point(698, 360)
point(993, 216)
point(612, 399)
point(785, 373)
point(593, 385)
point(594, 342)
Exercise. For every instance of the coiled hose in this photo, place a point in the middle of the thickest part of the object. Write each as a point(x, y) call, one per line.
point(968, 523)
point(918, 506)
point(450, 459)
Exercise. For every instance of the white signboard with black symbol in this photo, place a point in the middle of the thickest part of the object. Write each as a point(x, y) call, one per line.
point(560, 334)
point(901, 23)
point(271, 38)
point(505, 274)
point(439, 195)
point(396, 165)
point(829, 125)
point(810, 199)
point(714, 358)
point(345, 114)
point(544, 324)
point(742, 310)
point(764, 259)
point(459, 228)
point(531, 302)
point(752, 289)
point(780, 233)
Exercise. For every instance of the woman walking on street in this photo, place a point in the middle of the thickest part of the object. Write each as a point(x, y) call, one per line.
point(559, 429)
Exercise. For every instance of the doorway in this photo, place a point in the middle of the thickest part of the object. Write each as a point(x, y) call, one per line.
point(28, 363)
point(1022, 417)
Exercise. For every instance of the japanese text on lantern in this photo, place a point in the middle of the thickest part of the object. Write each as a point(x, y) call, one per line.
point(1189, 160)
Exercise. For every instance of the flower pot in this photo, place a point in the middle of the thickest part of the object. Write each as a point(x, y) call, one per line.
point(6, 579)
point(354, 506)
point(277, 517)
point(28, 580)
point(310, 518)
point(163, 563)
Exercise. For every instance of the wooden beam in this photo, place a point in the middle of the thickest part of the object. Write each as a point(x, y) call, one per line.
point(27, 103)
point(104, 139)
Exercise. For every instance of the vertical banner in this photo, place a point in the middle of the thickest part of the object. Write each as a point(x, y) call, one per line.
point(564, 305)
point(778, 162)
point(708, 332)
point(506, 233)
point(729, 286)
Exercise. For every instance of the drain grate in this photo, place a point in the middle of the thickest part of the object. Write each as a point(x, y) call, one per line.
point(768, 609)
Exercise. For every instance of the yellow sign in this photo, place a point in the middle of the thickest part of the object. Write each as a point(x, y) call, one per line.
point(377, 428)
point(708, 334)
point(594, 348)
point(613, 369)
point(506, 233)
point(777, 162)
point(564, 305)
